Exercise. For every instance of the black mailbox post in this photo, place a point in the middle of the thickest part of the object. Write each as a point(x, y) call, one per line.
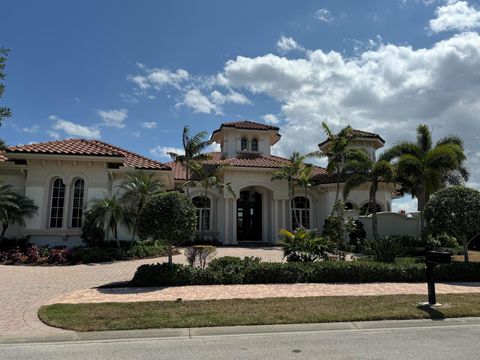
point(433, 258)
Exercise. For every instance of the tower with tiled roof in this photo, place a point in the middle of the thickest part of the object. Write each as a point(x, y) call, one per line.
point(245, 138)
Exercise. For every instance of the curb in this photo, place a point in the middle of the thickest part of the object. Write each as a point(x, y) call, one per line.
point(252, 330)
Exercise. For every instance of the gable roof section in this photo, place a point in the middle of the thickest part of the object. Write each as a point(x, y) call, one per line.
point(359, 134)
point(246, 124)
point(82, 147)
point(244, 160)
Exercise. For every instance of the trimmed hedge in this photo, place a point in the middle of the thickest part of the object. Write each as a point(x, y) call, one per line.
point(287, 273)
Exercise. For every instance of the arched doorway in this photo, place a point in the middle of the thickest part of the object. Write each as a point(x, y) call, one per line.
point(249, 216)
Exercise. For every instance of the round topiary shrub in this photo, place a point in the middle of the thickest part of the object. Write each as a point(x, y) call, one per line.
point(170, 218)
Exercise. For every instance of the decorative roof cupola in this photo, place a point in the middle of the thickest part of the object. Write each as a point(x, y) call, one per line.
point(245, 138)
point(364, 140)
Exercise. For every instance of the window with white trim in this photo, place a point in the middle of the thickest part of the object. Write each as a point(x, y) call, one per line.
point(202, 204)
point(57, 203)
point(300, 212)
point(244, 144)
point(254, 145)
point(77, 203)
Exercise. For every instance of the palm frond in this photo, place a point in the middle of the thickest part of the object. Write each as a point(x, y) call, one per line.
point(424, 138)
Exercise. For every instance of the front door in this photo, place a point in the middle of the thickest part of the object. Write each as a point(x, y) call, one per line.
point(249, 216)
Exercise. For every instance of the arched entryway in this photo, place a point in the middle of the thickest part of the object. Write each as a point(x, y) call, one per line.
point(249, 216)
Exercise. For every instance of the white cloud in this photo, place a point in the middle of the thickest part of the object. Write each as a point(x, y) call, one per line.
point(405, 203)
point(231, 97)
point(159, 78)
point(53, 134)
point(113, 118)
point(72, 129)
point(323, 15)
point(161, 152)
point(389, 89)
point(270, 119)
point(149, 124)
point(198, 102)
point(455, 15)
point(287, 44)
point(31, 130)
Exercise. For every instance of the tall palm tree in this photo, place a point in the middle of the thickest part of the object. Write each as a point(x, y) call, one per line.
point(207, 176)
point(304, 178)
point(337, 152)
point(291, 172)
point(192, 148)
point(109, 213)
point(14, 208)
point(138, 188)
point(423, 168)
point(362, 169)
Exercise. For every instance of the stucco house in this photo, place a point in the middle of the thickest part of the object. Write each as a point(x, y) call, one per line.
point(63, 177)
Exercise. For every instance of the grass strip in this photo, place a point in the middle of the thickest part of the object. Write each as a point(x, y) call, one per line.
point(203, 313)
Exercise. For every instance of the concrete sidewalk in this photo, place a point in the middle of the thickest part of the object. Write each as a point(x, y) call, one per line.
point(216, 292)
point(252, 330)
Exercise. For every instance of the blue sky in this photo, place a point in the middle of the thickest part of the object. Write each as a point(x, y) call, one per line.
point(134, 73)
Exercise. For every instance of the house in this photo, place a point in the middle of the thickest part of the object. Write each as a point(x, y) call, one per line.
point(63, 177)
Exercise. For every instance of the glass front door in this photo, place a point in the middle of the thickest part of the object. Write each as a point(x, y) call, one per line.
point(249, 216)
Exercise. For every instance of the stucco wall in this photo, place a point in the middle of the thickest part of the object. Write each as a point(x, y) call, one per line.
point(390, 223)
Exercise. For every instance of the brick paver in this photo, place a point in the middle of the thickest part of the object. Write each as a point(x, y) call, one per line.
point(23, 289)
point(257, 291)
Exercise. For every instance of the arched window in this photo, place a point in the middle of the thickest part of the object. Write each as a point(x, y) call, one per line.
point(300, 212)
point(367, 209)
point(244, 144)
point(57, 201)
point(77, 203)
point(349, 206)
point(254, 145)
point(202, 204)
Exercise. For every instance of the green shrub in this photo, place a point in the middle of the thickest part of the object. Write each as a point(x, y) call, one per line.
point(92, 234)
point(305, 245)
point(445, 242)
point(385, 249)
point(251, 271)
point(199, 254)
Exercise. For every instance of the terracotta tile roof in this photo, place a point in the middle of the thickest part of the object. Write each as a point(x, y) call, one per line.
point(359, 134)
point(246, 124)
point(246, 160)
point(88, 148)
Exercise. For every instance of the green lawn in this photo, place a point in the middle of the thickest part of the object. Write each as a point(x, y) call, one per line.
point(170, 314)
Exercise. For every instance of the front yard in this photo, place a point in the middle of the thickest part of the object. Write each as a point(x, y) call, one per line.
point(172, 314)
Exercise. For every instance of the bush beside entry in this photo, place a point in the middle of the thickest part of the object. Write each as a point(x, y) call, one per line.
point(169, 217)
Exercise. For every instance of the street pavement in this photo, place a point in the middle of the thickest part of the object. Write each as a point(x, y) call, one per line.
point(395, 340)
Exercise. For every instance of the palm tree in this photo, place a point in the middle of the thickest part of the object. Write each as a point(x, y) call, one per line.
point(337, 152)
point(192, 147)
point(362, 169)
point(304, 178)
point(207, 176)
point(291, 172)
point(423, 168)
point(138, 188)
point(109, 213)
point(14, 208)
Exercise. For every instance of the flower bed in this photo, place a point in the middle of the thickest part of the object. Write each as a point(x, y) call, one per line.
point(252, 271)
point(32, 254)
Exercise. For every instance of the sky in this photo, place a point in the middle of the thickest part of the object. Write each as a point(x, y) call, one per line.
point(133, 73)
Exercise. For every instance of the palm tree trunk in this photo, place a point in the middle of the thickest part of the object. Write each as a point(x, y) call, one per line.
point(204, 212)
point(187, 169)
point(292, 202)
point(465, 250)
point(338, 186)
point(4, 230)
point(115, 236)
point(170, 256)
point(373, 206)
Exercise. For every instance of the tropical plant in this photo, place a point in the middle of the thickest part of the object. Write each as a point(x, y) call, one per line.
point(138, 188)
point(192, 148)
point(361, 169)
point(108, 214)
point(169, 217)
point(291, 172)
point(305, 245)
point(338, 226)
point(337, 152)
point(207, 176)
point(4, 111)
point(455, 210)
point(422, 169)
point(385, 249)
point(14, 208)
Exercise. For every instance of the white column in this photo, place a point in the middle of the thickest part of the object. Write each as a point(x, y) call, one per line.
point(226, 238)
point(234, 222)
point(275, 220)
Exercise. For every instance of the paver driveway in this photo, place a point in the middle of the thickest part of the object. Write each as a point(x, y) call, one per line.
point(23, 289)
